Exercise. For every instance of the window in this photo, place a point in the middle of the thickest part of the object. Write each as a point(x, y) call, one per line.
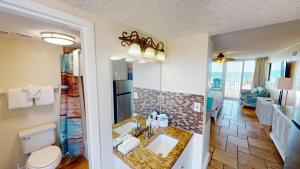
point(249, 68)
point(276, 71)
point(216, 75)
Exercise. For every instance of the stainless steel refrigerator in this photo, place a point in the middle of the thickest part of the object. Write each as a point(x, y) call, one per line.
point(122, 99)
point(292, 154)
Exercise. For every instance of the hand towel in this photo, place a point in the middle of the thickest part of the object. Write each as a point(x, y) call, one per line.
point(76, 62)
point(32, 91)
point(17, 98)
point(47, 96)
point(128, 145)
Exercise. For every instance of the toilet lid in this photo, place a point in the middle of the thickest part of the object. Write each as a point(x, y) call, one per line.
point(44, 157)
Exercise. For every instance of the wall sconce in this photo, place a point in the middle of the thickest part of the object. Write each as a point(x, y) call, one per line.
point(141, 48)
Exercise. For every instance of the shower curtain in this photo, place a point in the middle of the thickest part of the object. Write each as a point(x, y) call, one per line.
point(71, 139)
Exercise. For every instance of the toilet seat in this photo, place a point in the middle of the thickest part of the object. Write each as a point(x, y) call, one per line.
point(45, 158)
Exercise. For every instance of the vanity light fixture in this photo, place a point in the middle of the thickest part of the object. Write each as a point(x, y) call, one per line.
point(58, 38)
point(141, 48)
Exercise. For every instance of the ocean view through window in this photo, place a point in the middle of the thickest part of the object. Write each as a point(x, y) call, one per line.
point(238, 75)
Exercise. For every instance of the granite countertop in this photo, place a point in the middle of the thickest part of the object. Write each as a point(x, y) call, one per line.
point(139, 118)
point(141, 157)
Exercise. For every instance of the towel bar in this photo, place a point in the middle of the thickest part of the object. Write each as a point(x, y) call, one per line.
point(55, 87)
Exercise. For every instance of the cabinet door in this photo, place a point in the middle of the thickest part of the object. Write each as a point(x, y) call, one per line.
point(278, 126)
point(274, 123)
point(285, 133)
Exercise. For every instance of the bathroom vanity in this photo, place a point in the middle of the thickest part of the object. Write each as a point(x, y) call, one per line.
point(168, 148)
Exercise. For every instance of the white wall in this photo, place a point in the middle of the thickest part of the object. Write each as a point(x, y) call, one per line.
point(286, 55)
point(25, 62)
point(186, 72)
point(186, 66)
point(147, 75)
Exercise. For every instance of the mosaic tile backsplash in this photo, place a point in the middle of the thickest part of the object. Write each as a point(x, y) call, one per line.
point(148, 101)
point(178, 106)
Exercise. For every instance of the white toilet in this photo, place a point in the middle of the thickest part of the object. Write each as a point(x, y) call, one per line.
point(39, 142)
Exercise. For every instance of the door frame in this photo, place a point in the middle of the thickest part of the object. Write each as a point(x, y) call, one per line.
point(35, 10)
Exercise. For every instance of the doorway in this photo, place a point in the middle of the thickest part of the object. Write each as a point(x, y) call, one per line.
point(86, 28)
point(238, 75)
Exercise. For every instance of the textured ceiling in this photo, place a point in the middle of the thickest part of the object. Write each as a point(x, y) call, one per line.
point(258, 42)
point(167, 19)
point(19, 24)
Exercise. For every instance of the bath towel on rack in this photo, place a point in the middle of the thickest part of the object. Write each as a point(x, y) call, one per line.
point(17, 98)
point(46, 96)
point(32, 91)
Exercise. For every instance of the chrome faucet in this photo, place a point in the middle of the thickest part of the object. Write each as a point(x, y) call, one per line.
point(150, 131)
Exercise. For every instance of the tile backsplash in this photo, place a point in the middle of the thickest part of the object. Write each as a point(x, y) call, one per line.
point(178, 106)
point(147, 101)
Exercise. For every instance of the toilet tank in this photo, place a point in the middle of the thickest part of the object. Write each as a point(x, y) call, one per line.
point(37, 137)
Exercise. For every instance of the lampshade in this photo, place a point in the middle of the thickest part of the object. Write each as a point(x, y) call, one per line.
point(149, 53)
point(284, 83)
point(58, 38)
point(161, 56)
point(134, 50)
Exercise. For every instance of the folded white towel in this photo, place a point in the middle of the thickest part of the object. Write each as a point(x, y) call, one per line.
point(76, 62)
point(47, 96)
point(17, 98)
point(128, 145)
point(32, 91)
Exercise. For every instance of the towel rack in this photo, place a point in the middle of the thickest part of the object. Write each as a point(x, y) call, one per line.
point(56, 88)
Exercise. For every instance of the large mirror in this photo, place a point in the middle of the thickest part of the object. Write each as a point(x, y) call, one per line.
point(136, 94)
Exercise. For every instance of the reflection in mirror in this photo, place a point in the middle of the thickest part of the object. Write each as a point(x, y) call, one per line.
point(131, 104)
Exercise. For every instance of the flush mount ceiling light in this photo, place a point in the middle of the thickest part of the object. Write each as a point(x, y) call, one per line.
point(58, 38)
point(142, 48)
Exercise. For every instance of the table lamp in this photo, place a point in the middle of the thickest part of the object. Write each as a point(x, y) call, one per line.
point(283, 84)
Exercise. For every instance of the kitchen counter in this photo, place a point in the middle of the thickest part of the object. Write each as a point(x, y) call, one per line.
point(141, 157)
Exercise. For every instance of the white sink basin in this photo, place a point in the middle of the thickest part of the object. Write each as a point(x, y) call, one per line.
point(126, 128)
point(162, 145)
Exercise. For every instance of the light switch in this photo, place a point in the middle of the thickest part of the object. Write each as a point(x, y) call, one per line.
point(135, 95)
point(197, 107)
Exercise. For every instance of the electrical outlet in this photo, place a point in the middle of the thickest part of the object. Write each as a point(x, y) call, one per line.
point(135, 95)
point(197, 107)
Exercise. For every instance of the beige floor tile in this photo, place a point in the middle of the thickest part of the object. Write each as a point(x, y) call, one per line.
point(228, 167)
point(246, 160)
point(261, 144)
point(272, 165)
point(227, 131)
point(214, 164)
point(264, 154)
point(247, 133)
point(218, 141)
point(244, 149)
point(228, 142)
point(225, 158)
point(232, 148)
point(238, 141)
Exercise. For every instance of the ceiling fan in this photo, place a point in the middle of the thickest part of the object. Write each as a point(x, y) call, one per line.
point(221, 58)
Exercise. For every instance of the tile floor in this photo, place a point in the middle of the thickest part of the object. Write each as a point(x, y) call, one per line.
point(73, 163)
point(237, 140)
